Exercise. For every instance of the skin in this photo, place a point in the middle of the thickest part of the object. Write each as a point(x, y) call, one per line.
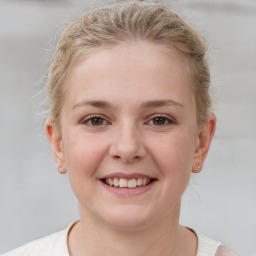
point(142, 96)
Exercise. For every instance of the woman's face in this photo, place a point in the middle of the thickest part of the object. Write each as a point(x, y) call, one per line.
point(129, 118)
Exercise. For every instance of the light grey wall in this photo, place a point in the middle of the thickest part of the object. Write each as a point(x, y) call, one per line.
point(35, 200)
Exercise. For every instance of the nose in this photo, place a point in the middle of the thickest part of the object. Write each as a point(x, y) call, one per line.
point(127, 144)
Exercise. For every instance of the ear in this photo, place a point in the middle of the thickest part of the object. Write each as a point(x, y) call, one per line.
point(206, 133)
point(55, 139)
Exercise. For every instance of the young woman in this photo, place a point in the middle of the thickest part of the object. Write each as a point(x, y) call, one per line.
point(129, 120)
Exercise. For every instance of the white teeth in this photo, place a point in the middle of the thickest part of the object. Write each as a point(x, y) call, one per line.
point(132, 183)
point(127, 183)
point(110, 182)
point(116, 182)
point(139, 181)
point(123, 183)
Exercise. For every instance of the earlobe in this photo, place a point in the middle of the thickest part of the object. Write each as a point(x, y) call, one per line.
point(205, 137)
point(196, 168)
point(55, 139)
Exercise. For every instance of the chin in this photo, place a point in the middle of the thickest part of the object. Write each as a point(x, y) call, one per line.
point(128, 218)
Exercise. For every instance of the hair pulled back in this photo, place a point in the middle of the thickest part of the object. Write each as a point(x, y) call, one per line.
point(124, 22)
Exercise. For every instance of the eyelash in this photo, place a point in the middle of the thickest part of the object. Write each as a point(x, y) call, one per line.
point(88, 120)
point(167, 120)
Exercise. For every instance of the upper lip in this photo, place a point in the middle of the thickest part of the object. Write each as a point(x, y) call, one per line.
point(121, 175)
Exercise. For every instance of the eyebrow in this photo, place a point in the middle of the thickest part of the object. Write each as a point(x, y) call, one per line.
point(93, 103)
point(147, 104)
point(161, 103)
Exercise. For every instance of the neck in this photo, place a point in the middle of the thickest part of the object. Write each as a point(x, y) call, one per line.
point(165, 237)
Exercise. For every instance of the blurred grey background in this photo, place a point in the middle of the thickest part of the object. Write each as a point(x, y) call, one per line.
point(35, 200)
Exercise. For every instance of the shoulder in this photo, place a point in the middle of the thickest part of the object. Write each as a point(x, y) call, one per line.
point(51, 245)
point(206, 246)
point(223, 251)
point(210, 247)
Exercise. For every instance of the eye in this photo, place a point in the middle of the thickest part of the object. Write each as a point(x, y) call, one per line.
point(94, 121)
point(161, 121)
point(97, 121)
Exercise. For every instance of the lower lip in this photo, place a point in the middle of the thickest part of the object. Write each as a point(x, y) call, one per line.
point(126, 192)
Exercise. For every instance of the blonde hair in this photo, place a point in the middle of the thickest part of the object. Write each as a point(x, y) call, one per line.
point(118, 23)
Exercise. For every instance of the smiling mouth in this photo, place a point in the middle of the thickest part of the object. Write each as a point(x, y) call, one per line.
point(127, 183)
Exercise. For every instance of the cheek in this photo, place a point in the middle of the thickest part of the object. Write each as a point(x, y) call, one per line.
point(82, 157)
point(83, 154)
point(174, 156)
point(174, 153)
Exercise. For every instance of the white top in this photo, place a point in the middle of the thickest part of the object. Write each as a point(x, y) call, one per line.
point(56, 245)
point(206, 246)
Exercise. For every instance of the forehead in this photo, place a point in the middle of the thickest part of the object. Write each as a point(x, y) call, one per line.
point(145, 53)
point(134, 68)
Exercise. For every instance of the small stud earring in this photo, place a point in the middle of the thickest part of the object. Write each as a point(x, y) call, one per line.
point(60, 170)
point(197, 167)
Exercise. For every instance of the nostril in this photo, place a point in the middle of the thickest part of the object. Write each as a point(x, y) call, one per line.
point(127, 158)
point(116, 157)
